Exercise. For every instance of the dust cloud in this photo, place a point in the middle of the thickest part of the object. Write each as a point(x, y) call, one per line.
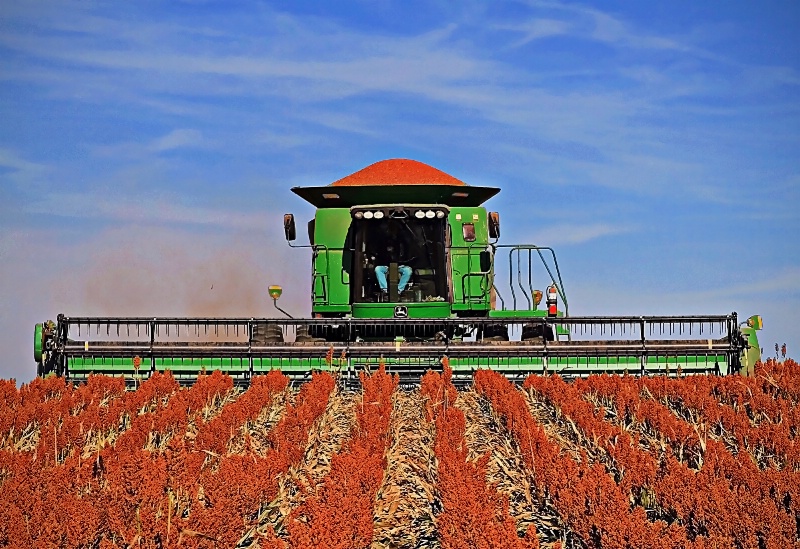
point(135, 273)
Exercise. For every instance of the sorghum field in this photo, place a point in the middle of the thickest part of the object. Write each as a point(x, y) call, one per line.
point(604, 462)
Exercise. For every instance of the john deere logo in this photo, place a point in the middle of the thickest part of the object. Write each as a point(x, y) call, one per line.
point(401, 311)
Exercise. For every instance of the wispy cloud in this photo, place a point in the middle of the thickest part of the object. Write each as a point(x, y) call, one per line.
point(19, 178)
point(317, 75)
point(779, 290)
point(166, 209)
point(784, 283)
point(595, 24)
point(535, 29)
point(177, 139)
point(574, 233)
point(174, 140)
point(337, 63)
point(19, 170)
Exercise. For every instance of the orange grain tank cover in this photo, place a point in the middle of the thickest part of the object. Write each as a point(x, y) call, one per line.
point(398, 171)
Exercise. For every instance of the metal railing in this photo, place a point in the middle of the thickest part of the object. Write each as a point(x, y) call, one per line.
point(621, 343)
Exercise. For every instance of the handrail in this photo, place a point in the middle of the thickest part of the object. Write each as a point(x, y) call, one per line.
point(690, 325)
point(472, 299)
point(516, 250)
point(324, 276)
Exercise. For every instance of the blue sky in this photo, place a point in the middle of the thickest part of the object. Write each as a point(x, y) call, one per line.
point(147, 149)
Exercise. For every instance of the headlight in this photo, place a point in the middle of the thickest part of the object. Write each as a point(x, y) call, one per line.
point(430, 214)
point(368, 215)
point(358, 215)
point(379, 215)
point(419, 214)
point(440, 214)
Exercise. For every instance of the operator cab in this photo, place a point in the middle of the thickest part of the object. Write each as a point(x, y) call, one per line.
point(395, 236)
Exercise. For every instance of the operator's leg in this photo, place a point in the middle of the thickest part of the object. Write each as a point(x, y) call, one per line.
point(380, 274)
point(405, 275)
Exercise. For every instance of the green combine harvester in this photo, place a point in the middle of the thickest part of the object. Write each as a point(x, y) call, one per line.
point(427, 238)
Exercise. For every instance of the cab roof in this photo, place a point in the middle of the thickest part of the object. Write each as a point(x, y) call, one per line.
point(396, 181)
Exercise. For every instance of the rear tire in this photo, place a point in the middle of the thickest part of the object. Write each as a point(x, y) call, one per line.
point(495, 332)
point(303, 335)
point(537, 332)
point(266, 333)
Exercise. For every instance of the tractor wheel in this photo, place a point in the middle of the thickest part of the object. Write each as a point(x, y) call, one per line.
point(302, 335)
point(266, 333)
point(495, 332)
point(537, 332)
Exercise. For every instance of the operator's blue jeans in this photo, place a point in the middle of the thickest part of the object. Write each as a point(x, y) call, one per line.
point(405, 274)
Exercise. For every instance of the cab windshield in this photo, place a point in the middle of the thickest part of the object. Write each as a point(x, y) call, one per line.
point(418, 244)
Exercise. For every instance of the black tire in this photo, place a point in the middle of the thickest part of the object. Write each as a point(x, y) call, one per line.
point(303, 335)
point(495, 332)
point(537, 332)
point(266, 333)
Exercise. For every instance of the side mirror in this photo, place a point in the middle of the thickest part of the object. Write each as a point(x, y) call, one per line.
point(494, 225)
point(485, 260)
point(288, 227)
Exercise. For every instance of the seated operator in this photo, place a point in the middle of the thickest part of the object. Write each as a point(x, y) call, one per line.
point(393, 251)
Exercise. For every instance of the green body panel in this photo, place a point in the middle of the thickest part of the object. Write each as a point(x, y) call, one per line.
point(37, 343)
point(751, 355)
point(591, 365)
point(338, 310)
point(573, 364)
point(470, 287)
point(527, 313)
point(79, 367)
point(501, 314)
point(192, 365)
point(330, 281)
point(433, 309)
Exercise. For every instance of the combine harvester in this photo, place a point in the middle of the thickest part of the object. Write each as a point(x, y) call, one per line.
point(453, 306)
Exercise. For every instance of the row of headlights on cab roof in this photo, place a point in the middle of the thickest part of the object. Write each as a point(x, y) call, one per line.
point(419, 214)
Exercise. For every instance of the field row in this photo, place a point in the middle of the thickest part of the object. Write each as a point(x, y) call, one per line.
point(599, 462)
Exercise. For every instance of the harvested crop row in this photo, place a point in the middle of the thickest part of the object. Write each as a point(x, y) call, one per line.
point(473, 513)
point(506, 469)
point(233, 491)
point(671, 491)
point(695, 397)
point(768, 501)
point(325, 439)
point(339, 512)
point(404, 507)
point(657, 427)
point(586, 497)
point(73, 500)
